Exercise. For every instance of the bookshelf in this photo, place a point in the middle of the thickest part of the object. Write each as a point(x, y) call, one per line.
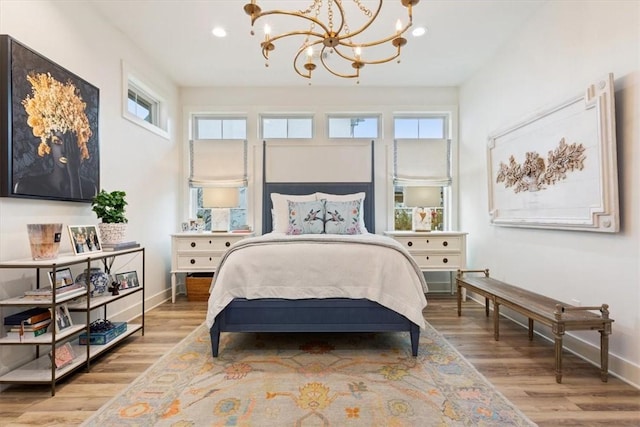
point(41, 370)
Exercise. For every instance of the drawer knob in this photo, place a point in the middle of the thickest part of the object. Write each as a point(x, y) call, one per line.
point(409, 243)
point(427, 240)
point(193, 261)
point(445, 260)
point(193, 244)
point(227, 244)
point(445, 243)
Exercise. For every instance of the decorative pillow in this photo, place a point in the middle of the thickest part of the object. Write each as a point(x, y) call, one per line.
point(306, 217)
point(280, 212)
point(345, 198)
point(342, 217)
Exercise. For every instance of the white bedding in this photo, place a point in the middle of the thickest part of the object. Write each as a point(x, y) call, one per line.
point(276, 265)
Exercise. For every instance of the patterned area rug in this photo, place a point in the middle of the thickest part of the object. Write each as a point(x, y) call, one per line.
point(311, 380)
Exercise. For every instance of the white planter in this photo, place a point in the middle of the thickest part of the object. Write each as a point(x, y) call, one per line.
point(112, 233)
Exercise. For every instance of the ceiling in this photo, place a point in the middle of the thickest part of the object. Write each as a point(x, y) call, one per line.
point(176, 35)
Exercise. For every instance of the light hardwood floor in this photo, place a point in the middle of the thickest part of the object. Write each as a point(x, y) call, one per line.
point(520, 369)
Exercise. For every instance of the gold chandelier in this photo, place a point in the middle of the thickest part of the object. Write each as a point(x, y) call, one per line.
point(332, 38)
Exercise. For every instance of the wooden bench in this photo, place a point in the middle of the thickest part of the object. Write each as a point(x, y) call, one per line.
point(559, 316)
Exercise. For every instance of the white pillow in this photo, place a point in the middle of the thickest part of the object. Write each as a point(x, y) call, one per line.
point(280, 211)
point(347, 198)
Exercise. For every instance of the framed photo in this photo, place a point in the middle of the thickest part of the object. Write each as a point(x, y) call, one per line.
point(63, 318)
point(558, 169)
point(49, 130)
point(62, 278)
point(127, 280)
point(64, 355)
point(84, 239)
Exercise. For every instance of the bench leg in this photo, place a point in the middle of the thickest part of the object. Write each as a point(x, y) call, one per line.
point(604, 355)
point(530, 329)
point(496, 320)
point(558, 350)
point(486, 306)
point(459, 299)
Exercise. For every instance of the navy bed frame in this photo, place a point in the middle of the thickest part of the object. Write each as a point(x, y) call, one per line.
point(312, 315)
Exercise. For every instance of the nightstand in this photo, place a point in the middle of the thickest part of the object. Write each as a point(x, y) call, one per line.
point(435, 250)
point(199, 252)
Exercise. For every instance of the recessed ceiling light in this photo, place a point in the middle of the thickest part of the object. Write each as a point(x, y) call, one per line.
point(219, 32)
point(418, 31)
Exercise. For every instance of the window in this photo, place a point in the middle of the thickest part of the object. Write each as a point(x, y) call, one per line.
point(218, 156)
point(287, 127)
point(422, 165)
point(420, 127)
point(143, 105)
point(209, 127)
point(353, 127)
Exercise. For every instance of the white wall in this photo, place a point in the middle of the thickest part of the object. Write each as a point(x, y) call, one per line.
point(132, 158)
point(565, 47)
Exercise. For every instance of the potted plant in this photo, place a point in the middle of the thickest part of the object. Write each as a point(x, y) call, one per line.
point(110, 209)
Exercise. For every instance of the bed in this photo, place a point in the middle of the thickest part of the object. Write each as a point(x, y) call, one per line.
point(265, 306)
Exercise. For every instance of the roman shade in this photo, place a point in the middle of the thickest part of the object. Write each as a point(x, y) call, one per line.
point(422, 162)
point(218, 163)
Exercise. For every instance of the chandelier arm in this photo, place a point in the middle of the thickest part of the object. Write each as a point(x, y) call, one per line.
point(335, 73)
point(369, 62)
point(289, 13)
point(374, 43)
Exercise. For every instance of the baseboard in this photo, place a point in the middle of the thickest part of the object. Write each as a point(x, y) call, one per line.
point(618, 367)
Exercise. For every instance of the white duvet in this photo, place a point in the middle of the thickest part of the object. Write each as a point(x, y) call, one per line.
point(276, 265)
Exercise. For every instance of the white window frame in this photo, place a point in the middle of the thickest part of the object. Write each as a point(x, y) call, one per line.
point(222, 118)
point(352, 116)
point(287, 116)
point(132, 81)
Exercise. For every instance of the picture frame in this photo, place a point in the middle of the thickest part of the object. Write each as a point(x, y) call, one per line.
point(64, 355)
point(63, 318)
point(63, 277)
point(558, 168)
point(127, 280)
point(84, 239)
point(61, 161)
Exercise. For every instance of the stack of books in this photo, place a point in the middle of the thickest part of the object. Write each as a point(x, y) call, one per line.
point(74, 289)
point(29, 323)
point(109, 247)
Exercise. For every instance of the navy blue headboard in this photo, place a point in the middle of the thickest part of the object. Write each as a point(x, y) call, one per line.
point(298, 188)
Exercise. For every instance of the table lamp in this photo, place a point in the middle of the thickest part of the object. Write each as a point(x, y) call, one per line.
point(220, 200)
point(422, 199)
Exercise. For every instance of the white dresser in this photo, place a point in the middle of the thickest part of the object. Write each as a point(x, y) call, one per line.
point(435, 250)
point(199, 252)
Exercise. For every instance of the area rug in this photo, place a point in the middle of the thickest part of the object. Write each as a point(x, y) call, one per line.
point(349, 379)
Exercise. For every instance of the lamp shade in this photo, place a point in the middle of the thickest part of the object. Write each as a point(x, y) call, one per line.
point(220, 197)
point(422, 197)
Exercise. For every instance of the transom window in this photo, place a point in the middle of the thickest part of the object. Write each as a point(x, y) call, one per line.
point(207, 127)
point(354, 126)
point(420, 127)
point(286, 127)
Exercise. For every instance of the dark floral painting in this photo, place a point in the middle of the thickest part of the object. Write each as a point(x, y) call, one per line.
point(49, 123)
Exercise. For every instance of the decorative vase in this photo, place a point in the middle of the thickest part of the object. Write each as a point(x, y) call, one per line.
point(112, 233)
point(99, 281)
point(44, 240)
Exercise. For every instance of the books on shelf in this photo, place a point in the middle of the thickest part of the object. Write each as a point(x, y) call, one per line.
point(75, 289)
point(33, 331)
point(28, 317)
point(108, 247)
